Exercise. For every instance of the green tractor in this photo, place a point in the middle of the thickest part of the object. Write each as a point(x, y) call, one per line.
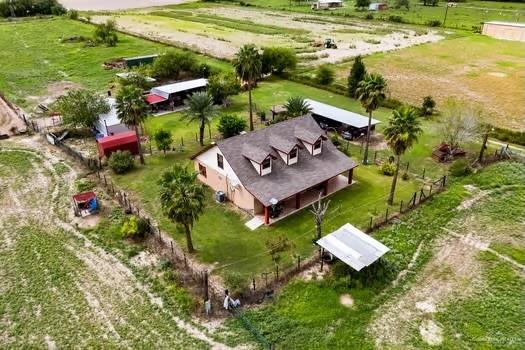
point(330, 44)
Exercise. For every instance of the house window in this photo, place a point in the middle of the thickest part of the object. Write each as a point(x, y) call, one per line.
point(317, 144)
point(202, 170)
point(266, 163)
point(220, 161)
point(293, 153)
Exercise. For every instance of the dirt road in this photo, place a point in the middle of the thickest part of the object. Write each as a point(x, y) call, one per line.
point(8, 119)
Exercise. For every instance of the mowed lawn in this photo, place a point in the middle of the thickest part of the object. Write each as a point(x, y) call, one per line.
point(220, 235)
point(34, 60)
point(471, 67)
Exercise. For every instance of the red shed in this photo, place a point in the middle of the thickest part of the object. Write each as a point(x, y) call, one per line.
point(126, 141)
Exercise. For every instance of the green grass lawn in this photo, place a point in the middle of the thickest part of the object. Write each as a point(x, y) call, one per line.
point(33, 58)
point(308, 315)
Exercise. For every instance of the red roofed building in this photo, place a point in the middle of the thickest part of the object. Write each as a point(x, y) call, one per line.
point(126, 141)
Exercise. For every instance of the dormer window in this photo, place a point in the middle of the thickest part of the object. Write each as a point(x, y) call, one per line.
point(317, 147)
point(292, 156)
point(267, 163)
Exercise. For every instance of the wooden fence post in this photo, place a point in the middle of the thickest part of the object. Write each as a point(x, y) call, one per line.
point(370, 224)
point(386, 215)
point(298, 262)
point(424, 171)
point(276, 273)
point(206, 286)
point(322, 260)
point(430, 193)
point(253, 283)
point(401, 207)
point(408, 164)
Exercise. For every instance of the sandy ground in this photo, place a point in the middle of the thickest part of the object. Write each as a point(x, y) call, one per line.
point(117, 4)
point(353, 38)
point(9, 119)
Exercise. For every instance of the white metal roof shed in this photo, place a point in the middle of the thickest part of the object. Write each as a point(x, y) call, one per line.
point(166, 90)
point(340, 115)
point(353, 247)
point(109, 123)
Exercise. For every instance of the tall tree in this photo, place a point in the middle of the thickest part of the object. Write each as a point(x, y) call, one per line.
point(459, 124)
point(401, 133)
point(182, 199)
point(81, 108)
point(201, 110)
point(132, 110)
point(357, 74)
point(248, 67)
point(371, 91)
point(319, 210)
point(297, 106)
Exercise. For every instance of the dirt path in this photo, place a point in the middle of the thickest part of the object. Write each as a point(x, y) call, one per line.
point(9, 119)
point(114, 299)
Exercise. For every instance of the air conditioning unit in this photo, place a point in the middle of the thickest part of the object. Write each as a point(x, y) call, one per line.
point(220, 197)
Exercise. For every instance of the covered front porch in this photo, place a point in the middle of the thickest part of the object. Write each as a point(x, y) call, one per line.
point(274, 213)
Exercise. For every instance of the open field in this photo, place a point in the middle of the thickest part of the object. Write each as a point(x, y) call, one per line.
point(220, 31)
point(450, 289)
point(466, 15)
point(59, 289)
point(37, 67)
point(116, 4)
point(474, 68)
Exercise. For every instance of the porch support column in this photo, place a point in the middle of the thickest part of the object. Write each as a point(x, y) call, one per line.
point(350, 176)
point(297, 200)
point(325, 188)
point(266, 216)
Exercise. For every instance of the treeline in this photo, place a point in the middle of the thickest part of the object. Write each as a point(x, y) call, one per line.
point(26, 8)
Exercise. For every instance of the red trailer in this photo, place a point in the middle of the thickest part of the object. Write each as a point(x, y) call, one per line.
point(126, 141)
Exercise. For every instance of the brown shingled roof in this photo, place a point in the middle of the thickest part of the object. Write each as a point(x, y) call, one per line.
point(284, 180)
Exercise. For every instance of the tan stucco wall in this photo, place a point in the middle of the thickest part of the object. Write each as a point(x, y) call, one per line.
point(505, 32)
point(218, 182)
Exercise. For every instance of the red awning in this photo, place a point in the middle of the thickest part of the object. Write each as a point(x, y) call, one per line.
point(118, 139)
point(152, 99)
point(84, 197)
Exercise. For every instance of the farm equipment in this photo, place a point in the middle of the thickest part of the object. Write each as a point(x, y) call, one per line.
point(330, 44)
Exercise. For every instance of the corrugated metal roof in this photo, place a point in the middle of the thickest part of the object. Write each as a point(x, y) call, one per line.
point(119, 139)
point(167, 90)
point(354, 247)
point(340, 115)
point(509, 24)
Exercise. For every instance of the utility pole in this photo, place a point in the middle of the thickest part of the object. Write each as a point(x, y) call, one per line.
point(446, 12)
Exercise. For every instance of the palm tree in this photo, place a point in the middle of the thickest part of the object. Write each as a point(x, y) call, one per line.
point(401, 134)
point(371, 91)
point(297, 106)
point(248, 67)
point(182, 199)
point(132, 110)
point(201, 110)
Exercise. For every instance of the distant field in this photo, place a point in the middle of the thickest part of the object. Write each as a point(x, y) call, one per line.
point(35, 65)
point(465, 16)
point(480, 69)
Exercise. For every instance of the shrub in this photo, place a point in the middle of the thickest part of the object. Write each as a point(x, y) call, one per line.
point(434, 23)
point(405, 177)
point(31, 8)
point(223, 85)
point(459, 168)
point(278, 59)
point(391, 103)
point(129, 227)
point(121, 162)
point(235, 282)
point(105, 33)
point(84, 185)
point(369, 16)
point(403, 3)
point(387, 169)
point(163, 140)
point(325, 74)
point(428, 105)
point(335, 140)
point(357, 74)
point(395, 19)
point(231, 125)
point(173, 64)
point(511, 136)
point(362, 4)
point(73, 14)
point(143, 227)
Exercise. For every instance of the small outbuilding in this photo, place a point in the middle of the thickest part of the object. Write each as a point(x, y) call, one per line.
point(126, 141)
point(340, 119)
point(109, 123)
point(505, 30)
point(327, 4)
point(140, 60)
point(353, 247)
point(85, 204)
point(175, 93)
point(377, 6)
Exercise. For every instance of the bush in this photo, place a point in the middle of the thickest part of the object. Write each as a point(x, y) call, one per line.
point(511, 136)
point(278, 59)
point(434, 23)
point(362, 4)
point(173, 64)
point(73, 14)
point(121, 162)
point(143, 227)
point(223, 85)
point(428, 105)
point(335, 140)
point(392, 103)
point(459, 168)
point(405, 177)
point(84, 185)
point(134, 227)
point(235, 282)
point(369, 16)
point(387, 169)
point(28, 8)
point(380, 271)
point(231, 125)
point(163, 140)
point(325, 74)
point(105, 33)
point(395, 19)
